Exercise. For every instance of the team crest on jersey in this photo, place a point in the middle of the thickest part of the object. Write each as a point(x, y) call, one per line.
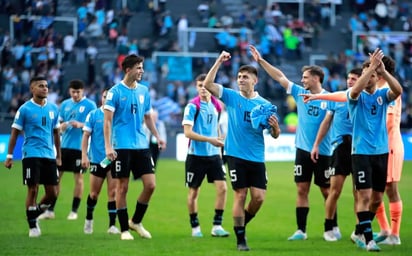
point(323, 105)
point(141, 99)
point(51, 115)
point(81, 109)
point(109, 96)
point(379, 100)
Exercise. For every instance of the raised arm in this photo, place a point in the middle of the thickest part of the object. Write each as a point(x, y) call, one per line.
point(208, 83)
point(334, 96)
point(362, 82)
point(394, 85)
point(275, 73)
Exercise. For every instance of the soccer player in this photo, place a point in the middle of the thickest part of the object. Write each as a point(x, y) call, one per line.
point(37, 120)
point(73, 112)
point(244, 145)
point(310, 117)
point(200, 124)
point(368, 109)
point(93, 132)
point(127, 107)
point(389, 234)
point(338, 122)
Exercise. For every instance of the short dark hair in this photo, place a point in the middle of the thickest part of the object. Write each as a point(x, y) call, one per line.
point(356, 71)
point(130, 61)
point(200, 77)
point(249, 69)
point(76, 84)
point(37, 78)
point(315, 71)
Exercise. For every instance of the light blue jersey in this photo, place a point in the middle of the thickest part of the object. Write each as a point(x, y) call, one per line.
point(206, 124)
point(129, 106)
point(242, 141)
point(310, 116)
point(94, 125)
point(341, 124)
point(74, 111)
point(368, 115)
point(38, 124)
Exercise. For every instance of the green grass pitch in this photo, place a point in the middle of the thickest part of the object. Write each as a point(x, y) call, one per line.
point(168, 221)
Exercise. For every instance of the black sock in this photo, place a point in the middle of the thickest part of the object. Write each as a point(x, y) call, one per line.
point(111, 207)
point(123, 219)
point(301, 217)
point(31, 216)
point(248, 217)
point(217, 220)
point(328, 225)
point(91, 203)
point(139, 212)
point(365, 225)
point(194, 221)
point(75, 204)
point(52, 205)
point(335, 218)
point(240, 234)
point(372, 215)
point(358, 230)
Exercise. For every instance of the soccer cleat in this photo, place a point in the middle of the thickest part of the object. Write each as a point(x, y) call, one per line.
point(46, 215)
point(336, 232)
point(372, 246)
point(113, 230)
point(140, 229)
point(72, 216)
point(381, 236)
point(391, 240)
point(197, 234)
point(243, 247)
point(125, 235)
point(219, 232)
point(359, 240)
point(38, 226)
point(88, 227)
point(34, 232)
point(329, 236)
point(298, 235)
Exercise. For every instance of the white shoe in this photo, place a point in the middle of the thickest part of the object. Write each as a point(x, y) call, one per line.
point(329, 236)
point(372, 246)
point(38, 226)
point(218, 231)
point(391, 240)
point(337, 233)
point(113, 230)
point(34, 232)
point(72, 216)
point(125, 235)
point(46, 215)
point(88, 227)
point(298, 235)
point(140, 229)
point(359, 240)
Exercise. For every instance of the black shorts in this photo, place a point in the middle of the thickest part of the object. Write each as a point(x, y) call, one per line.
point(197, 167)
point(342, 158)
point(137, 161)
point(305, 168)
point(40, 171)
point(71, 161)
point(370, 171)
point(97, 170)
point(246, 174)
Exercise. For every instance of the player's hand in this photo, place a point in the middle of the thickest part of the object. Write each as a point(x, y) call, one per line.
point(255, 53)
point(273, 122)
point(111, 154)
point(217, 142)
point(162, 144)
point(85, 162)
point(314, 155)
point(224, 56)
point(376, 58)
point(307, 97)
point(76, 124)
point(8, 163)
point(58, 162)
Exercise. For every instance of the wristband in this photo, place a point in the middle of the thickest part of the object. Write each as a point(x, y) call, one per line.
point(9, 156)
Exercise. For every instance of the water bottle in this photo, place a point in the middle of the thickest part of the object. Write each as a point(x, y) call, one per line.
point(106, 161)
